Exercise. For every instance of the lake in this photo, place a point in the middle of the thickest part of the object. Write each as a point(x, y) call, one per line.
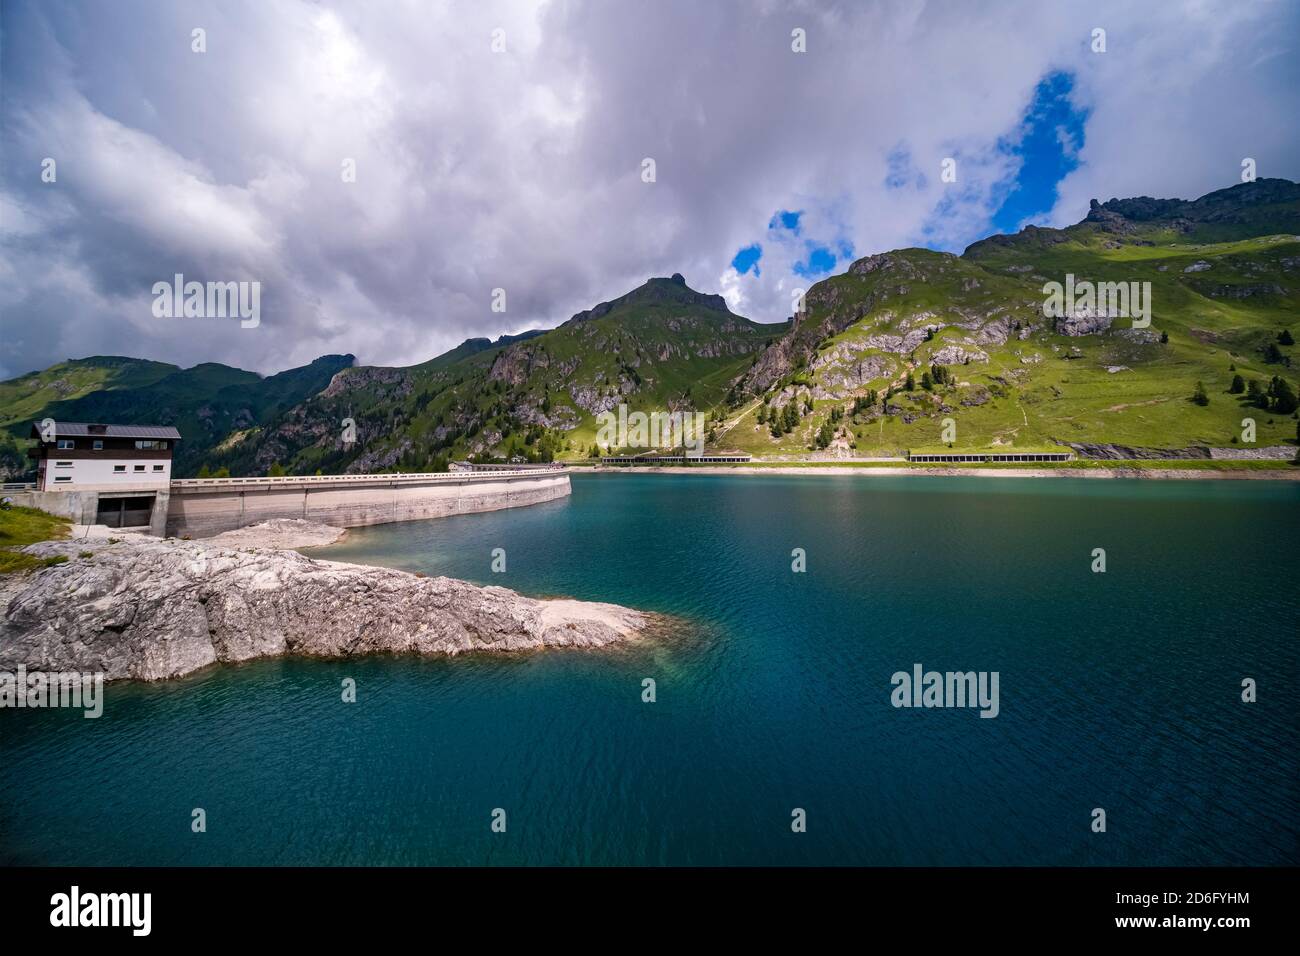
point(1119, 690)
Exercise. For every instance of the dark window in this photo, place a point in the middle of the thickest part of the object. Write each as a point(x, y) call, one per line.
point(97, 444)
point(139, 467)
point(67, 443)
point(117, 468)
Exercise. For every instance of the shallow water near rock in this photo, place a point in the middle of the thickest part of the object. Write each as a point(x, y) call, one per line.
point(1119, 690)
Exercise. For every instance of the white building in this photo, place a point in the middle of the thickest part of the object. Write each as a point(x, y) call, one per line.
point(77, 455)
point(119, 475)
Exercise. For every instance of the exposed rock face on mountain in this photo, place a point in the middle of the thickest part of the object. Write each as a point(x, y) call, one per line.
point(150, 609)
point(386, 381)
point(1231, 205)
point(1127, 453)
point(848, 370)
point(956, 355)
point(1085, 322)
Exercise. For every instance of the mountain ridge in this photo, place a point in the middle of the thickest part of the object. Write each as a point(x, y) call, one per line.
point(1223, 270)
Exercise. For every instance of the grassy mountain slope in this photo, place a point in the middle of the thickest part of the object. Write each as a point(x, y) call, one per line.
point(1224, 274)
point(207, 403)
point(25, 399)
point(662, 345)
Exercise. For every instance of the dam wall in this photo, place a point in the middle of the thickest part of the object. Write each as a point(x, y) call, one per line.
point(201, 507)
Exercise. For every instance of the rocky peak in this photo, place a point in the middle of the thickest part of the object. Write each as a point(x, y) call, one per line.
point(659, 291)
point(1213, 206)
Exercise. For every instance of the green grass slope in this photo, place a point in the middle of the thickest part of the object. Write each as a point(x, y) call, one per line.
point(661, 346)
point(28, 398)
point(208, 403)
point(1224, 279)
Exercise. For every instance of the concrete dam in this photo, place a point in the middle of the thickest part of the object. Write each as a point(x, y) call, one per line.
point(201, 507)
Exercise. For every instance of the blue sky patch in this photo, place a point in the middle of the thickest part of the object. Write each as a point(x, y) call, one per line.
point(1048, 142)
point(747, 259)
point(820, 261)
point(785, 233)
point(786, 220)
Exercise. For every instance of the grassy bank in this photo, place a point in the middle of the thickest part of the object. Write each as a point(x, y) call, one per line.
point(20, 527)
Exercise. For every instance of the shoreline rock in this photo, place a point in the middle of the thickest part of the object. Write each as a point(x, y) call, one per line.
point(280, 534)
point(151, 609)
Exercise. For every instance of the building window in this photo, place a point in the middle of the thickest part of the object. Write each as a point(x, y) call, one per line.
point(63, 464)
point(139, 467)
point(63, 478)
point(97, 444)
point(67, 443)
point(149, 444)
point(117, 469)
point(157, 467)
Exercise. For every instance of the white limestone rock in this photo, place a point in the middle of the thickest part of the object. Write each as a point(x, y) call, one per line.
point(149, 609)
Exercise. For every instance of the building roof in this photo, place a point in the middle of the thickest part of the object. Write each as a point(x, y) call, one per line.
point(96, 430)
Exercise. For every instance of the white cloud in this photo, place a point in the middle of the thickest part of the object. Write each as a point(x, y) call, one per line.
point(521, 170)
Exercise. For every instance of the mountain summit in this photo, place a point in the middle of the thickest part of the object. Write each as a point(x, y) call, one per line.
point(672, 291)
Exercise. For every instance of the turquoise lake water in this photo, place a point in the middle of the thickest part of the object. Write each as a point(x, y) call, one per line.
point(1119, 690)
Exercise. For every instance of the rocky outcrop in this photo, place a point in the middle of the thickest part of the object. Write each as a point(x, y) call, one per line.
point(593, 398)
point(378, 459)
point(278, 533)
point(150, 609)
point(375, 381)
point(1128, 453)
point(844, 369)
point(1083, 322)
point(956, 355)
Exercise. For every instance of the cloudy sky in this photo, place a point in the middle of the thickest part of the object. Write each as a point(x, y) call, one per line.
point(522, 168)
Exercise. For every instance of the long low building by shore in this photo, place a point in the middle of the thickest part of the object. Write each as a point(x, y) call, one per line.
point(648, 460)
point(989, 456)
